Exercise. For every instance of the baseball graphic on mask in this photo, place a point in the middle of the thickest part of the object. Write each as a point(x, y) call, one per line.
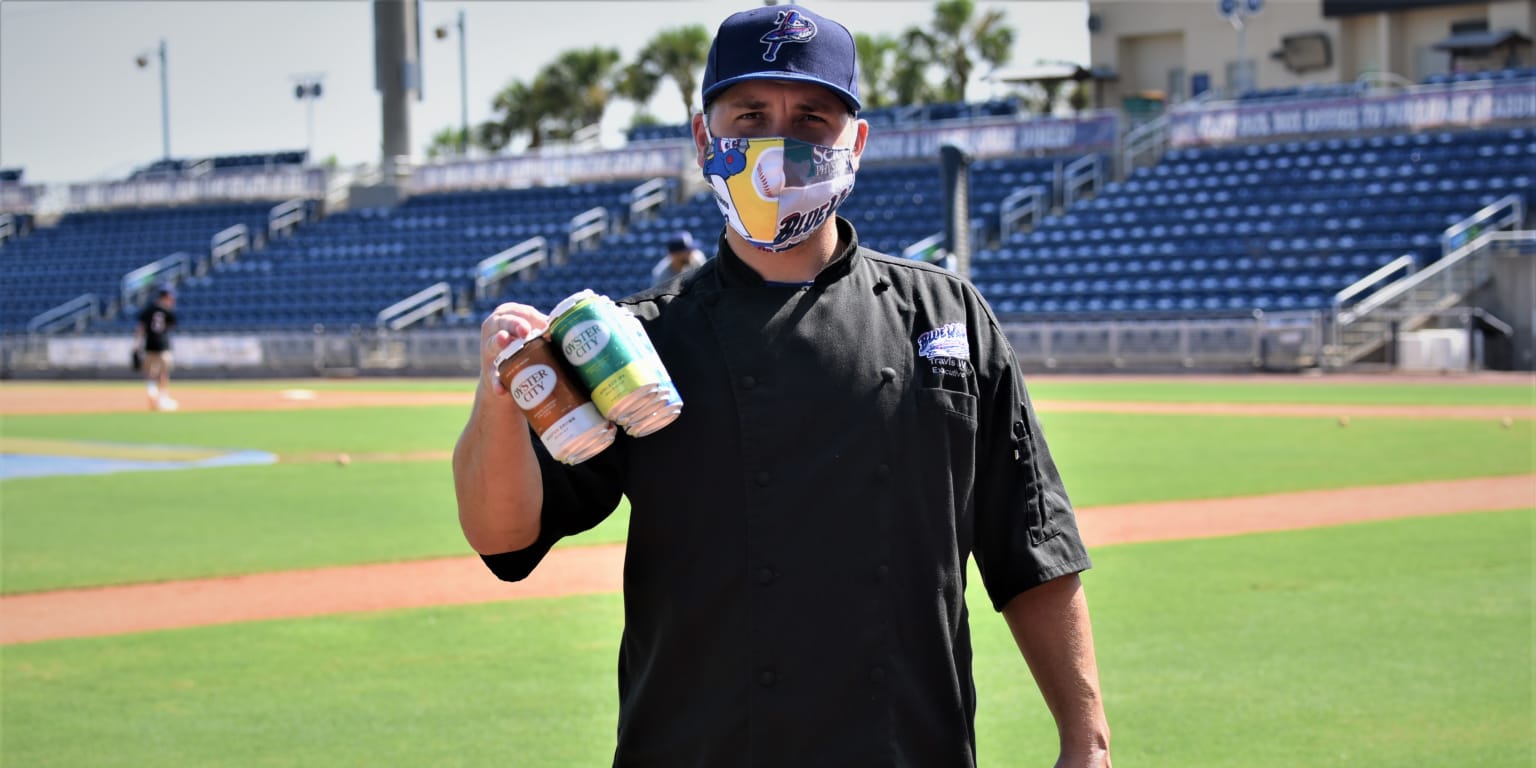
point(768, 174)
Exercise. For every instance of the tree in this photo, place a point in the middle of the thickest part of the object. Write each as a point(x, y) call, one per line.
point(676, 54)
point(637, 83)
point(517, 112)
point(679, 55)
point(909, 77)
point(957, 41)
point(577, 86)
point(446, 142)
point(877, 56)
point(569, 93)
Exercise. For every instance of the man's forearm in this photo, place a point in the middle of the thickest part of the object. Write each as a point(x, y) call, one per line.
point(1050, 623)
point(496, 477)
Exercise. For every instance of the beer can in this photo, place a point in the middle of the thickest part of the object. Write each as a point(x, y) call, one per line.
point(615, 358)
point(553, 400)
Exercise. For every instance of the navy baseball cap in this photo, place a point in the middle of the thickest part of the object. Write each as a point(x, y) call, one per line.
point(681, 241)
point(783, 42)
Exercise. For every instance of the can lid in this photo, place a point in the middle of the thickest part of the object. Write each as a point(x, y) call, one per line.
point(512, 349)
point(570, 301)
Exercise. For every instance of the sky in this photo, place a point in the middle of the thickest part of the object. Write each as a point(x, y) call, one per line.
point(75, 106)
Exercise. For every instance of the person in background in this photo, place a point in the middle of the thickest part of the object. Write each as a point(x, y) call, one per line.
point(152, 337)
point(682, 257)
point(856, 430)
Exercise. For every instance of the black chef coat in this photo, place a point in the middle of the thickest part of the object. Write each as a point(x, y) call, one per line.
point(794, 581)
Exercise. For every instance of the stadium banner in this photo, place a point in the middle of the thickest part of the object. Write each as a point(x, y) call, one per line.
point(1426, 107)
point(97, 352)
point(1045, 135)
point(540, 170)
point(252, 185)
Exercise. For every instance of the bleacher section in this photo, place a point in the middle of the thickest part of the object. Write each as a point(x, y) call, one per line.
point(1267, 226)
point(343, 270)
point(893, 206)
point(90, 252)
point(1226, 230)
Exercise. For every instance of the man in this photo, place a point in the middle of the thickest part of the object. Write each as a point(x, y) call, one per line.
point(682, 256)
point(152, 337)
point(854, 428)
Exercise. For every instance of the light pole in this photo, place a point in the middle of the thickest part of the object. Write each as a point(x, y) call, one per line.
point(442, 33)
point(1236, 12)
point(165, 99)
point(307, 89)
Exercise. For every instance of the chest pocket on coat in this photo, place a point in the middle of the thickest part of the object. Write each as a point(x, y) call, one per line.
point(945, 441)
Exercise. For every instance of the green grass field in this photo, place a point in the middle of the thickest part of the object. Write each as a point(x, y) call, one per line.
point(1402, 643)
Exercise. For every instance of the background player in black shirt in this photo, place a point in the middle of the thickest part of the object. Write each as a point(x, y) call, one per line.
point(152, 337)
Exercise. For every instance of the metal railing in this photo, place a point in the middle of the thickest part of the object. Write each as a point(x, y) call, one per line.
point(1358, 331)
point(1149, 139)
point(1507, 212)
point(75, 314)
point(587, 228)
point(929, 249)
point(434, 299)
point(1406, 264)
point(1030, 202)
point(1081, 173)
point(1364, 328)
point(227, 245)
point(136, 283)
point(286, 217)
point(647, 197)
point(493, 270)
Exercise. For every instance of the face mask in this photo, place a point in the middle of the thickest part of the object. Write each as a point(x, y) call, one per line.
point(774, 191)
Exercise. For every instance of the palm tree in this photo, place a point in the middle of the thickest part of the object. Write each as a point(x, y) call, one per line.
point(517, 113)
point(577, 86)
point(957, 41)
point(876, 68)
point(909, 76)
point(446, 143)
point(569, 93)
point(637, 83)
point(676, 54)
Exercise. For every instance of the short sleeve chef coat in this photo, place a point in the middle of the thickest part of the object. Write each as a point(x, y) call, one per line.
point(794, 582)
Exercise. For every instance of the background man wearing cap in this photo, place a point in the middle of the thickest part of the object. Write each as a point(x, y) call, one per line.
point(152, 337)
point(855, 429)
point(682, 255)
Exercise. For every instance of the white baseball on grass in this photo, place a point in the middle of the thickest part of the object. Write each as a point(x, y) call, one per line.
point(768, 174)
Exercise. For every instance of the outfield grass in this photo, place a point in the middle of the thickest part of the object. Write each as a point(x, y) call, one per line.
point(148, 526)
point(1402, 643)
point(311, 430)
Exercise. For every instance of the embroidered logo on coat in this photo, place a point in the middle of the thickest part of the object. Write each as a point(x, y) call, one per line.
point(948, 349)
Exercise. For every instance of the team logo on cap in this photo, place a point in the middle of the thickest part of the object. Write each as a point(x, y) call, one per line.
point(792, 28)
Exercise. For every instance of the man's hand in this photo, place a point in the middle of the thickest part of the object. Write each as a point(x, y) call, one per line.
point(505, 323)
